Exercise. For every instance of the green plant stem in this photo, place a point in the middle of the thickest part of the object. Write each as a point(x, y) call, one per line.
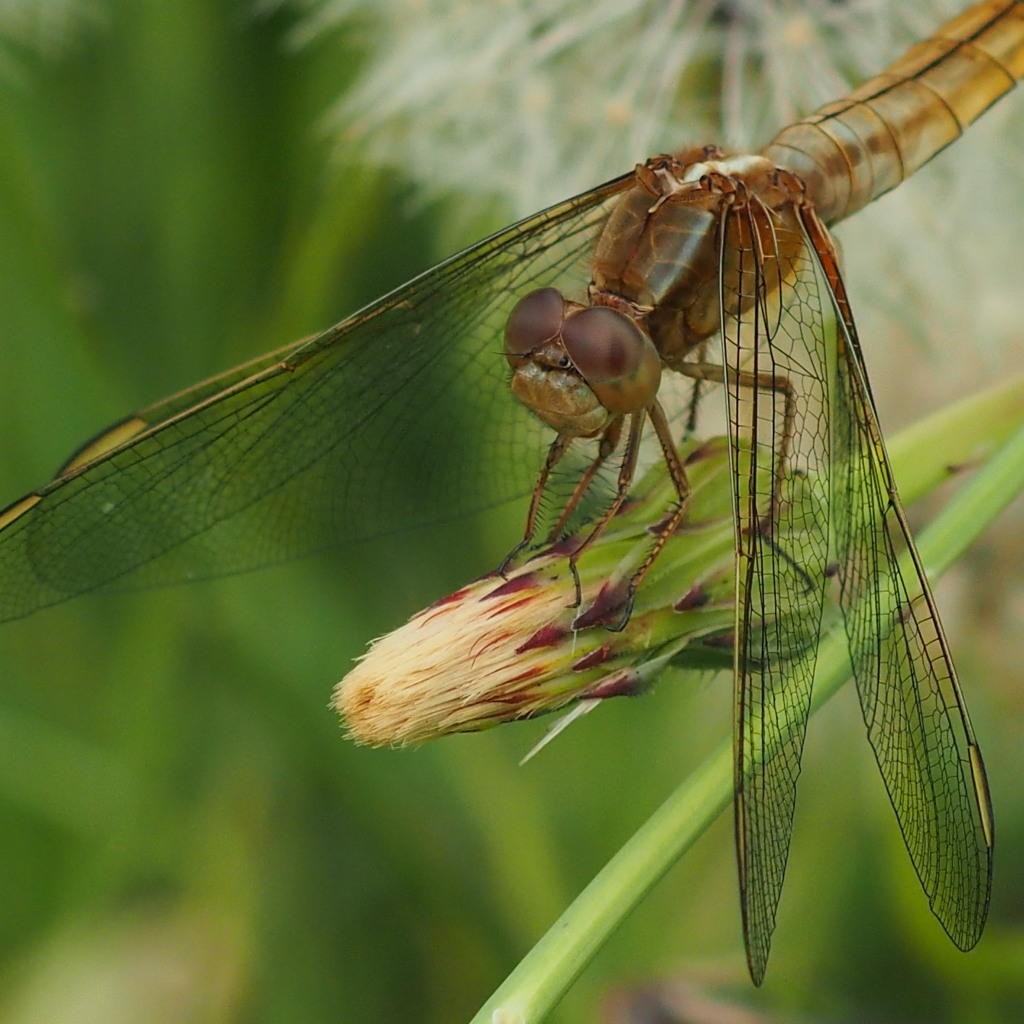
point(546, 972)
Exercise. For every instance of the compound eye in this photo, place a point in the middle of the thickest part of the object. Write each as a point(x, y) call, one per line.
point(615, 357)
point(536, 319)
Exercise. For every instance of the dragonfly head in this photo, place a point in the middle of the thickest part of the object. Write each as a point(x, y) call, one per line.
point(577, 367)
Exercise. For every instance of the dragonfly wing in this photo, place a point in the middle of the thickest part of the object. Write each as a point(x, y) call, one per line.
point(915, 713)
point(330, 441)
point(774, 334)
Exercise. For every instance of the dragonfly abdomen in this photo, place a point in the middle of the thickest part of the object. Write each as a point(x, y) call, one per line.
point(855, 150)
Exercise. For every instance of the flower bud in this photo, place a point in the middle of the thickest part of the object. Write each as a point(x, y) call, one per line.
point(502, 649)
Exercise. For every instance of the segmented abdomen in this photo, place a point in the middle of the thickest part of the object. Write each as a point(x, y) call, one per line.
point(852, 151)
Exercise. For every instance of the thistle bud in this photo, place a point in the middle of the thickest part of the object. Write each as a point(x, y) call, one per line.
point(507, 648)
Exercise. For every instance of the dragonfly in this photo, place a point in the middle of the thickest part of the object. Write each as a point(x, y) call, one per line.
point(601, 321)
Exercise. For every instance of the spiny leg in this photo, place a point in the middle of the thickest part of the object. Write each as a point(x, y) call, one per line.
point(618, 601)
point(608, 443)
point(556, 450)
point(761, 381)
point(666, 528)
point(627, 470)
point(691, 415)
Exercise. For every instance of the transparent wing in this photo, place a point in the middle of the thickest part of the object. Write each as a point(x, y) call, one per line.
point(329, 441)
point(915, 713)
point(775, 337)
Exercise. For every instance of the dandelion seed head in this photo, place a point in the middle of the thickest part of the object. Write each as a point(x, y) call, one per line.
point(531, 101)
point(527, 103)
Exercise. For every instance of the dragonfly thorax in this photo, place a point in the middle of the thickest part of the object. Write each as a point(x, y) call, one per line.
point(662, 246)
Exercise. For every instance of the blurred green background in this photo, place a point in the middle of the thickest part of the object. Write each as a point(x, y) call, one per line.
point(185, 835)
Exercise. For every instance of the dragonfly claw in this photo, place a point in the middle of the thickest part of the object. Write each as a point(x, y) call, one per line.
point(611, 608)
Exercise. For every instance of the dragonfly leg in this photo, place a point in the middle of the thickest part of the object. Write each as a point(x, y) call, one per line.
point(621, 602)
point(691, 415)
point(626, 472)
point(606, 446)
point(759, 381)
point(556, 450)
point(667, 527)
